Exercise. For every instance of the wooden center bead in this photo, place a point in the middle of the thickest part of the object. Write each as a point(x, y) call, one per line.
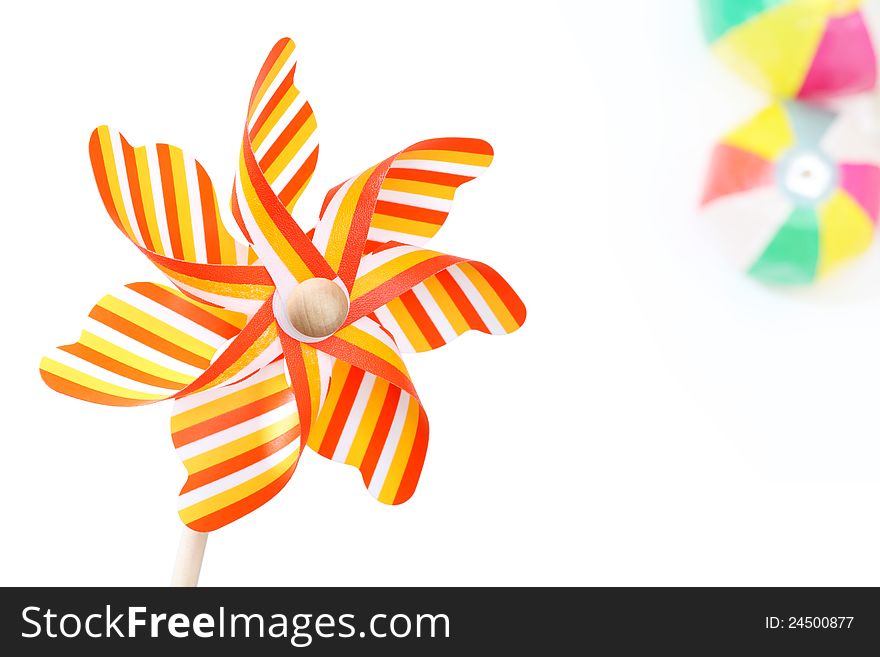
point(317, 307)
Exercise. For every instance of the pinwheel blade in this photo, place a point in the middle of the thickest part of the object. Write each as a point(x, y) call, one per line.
point(794, 48)
point(165, 203)
point(405, 198)
point(376, 427)
point(145, 343)
point(277, 158)
point(240, 445)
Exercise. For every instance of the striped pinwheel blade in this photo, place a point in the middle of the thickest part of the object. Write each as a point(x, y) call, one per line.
point(145, 343)
point(425, 299)
point(375, 426)
point(277, 159)
point(165, 203)
point(281, 127)
point(371, 417)
point(240, 445)
point(405, 198)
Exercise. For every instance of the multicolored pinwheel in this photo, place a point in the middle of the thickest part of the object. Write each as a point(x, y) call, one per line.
point(251, 384)
point(794, 48)
point(794, 192)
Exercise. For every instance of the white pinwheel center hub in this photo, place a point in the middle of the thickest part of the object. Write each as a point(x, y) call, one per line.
point(808, 175)
point(315, 308)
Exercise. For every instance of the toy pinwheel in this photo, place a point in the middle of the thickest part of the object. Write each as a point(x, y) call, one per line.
point(294, 339)
point(806, 49)
point(794, 192)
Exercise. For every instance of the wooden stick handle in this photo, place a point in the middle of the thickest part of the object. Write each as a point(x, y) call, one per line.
point(189, 558)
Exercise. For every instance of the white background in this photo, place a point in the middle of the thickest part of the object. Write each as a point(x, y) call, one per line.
point(660, 419)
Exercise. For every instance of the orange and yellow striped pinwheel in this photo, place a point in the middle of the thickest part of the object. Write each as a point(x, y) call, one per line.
point(249, 389)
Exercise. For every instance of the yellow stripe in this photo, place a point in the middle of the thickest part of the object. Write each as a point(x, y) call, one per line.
point(241, 445)
point(368, 423)
point(339, 375)
point(385, 272)
point(508, 323)
point(233, 495)
point(273, 73)
point(418, 187)
point(338, 238)
point(113, 178)
point(146, 187)
point(228, 255)
point(88, 381)
point(408, 325)
point(158, 327)
point(293, 147)
point(405, 226)
point(272, 120)
point(223, 404)
point(181, 193)
point(401, 454)
point(133, 360)
point(446, 305)
point(373, 345)
point(313, 377)
point(269, 230)
point(476, 159)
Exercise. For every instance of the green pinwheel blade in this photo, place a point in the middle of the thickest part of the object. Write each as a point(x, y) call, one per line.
point(792, 256)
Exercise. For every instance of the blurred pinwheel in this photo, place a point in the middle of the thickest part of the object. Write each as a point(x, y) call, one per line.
point(804, 49)
point(251, 385)
point(794, 192)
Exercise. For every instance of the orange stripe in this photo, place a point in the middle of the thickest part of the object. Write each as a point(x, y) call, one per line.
point(411, 212)
point(433, 177)
point(286, 136)
point(283, 88)
point(266, 68)
point(134, 189)
point(209, 218)
point(148, 338)
point(244, 506)
point(170, 198)
point(186, 309)
point(341, 411)
point(459, 298)
point(231, 418)
point(299, 180)
point(508, 297)
point(422, 320)
point(113, 365)
point(380, 434)
point(416, 461)
point(239, 462)
point(78, 391)
point(100, 172)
